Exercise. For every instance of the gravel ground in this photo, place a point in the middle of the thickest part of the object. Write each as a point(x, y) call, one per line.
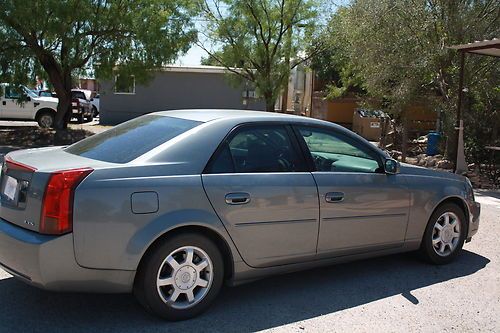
point(390, 294)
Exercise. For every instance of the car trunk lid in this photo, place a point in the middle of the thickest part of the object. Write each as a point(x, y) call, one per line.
point(23, 182)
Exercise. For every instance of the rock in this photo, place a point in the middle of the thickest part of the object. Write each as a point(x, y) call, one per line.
point(444, 164)
point(430, 163)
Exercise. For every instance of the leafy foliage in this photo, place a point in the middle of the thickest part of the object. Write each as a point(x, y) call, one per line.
point(263, 38)
point(72, 37)
point(400, 51)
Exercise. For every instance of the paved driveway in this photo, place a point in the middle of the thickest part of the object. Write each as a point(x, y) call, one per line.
point(390, 294)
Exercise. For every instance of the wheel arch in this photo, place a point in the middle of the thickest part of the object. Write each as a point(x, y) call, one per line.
point(460, 202)
point(44, 110)
point(213, 235)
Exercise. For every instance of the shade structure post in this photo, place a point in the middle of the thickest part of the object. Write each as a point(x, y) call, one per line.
point(460, 163)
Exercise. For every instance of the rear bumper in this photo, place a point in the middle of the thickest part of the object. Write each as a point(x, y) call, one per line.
point(48, 262)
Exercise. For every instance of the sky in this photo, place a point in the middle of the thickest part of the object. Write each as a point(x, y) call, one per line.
point(192, 57)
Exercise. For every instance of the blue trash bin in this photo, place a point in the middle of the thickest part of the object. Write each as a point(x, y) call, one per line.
point(433, 143)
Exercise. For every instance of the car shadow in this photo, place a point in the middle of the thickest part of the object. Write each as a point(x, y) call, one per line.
point(263, 304)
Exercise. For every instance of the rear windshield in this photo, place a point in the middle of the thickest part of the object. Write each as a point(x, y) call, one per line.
point(126, 142)
point(78, 94)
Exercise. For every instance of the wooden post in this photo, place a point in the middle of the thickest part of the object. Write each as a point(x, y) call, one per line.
point(459, 108)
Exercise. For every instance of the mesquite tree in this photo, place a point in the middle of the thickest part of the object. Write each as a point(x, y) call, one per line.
point(69, 37)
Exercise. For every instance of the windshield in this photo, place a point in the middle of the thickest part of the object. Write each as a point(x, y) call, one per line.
point(128, 141)
point(30, 93)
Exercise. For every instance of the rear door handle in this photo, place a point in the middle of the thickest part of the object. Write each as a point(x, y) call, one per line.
point(239, 198)
point(334, 197)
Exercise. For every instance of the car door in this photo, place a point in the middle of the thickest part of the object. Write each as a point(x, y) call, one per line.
point(258, 184)
point(15, 107)
point(361, 207)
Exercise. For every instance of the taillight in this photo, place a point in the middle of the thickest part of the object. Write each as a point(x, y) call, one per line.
point(57, 208)
point(14, 165)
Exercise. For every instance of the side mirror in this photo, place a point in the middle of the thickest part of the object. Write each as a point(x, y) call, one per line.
point(391, 166)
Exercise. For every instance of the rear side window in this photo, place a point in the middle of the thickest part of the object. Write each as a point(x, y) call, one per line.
point(128, 141)
point(257, 149)
point(78, 94)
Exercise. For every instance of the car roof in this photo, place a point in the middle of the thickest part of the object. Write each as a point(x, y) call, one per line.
point(206, 115)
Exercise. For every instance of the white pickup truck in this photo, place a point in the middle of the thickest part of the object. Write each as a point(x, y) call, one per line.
point(24, 104)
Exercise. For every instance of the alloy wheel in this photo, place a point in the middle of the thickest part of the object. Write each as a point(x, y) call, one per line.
point(185, 277)
point(46, 120)
point(446, 234)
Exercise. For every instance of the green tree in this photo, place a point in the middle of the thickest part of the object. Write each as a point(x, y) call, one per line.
point(333, 66)
point(68, 37)
point(262, 38)
point(399, 48)
point(210, 60)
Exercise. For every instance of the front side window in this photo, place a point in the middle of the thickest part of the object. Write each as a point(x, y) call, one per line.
point(257, 149)
point(335, 152)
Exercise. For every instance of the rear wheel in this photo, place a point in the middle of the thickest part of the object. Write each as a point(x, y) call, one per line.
point(181, 277)
point(45, 119)
point(444, 235)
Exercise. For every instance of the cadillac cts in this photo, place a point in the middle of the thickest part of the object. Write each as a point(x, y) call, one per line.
point(172, 204)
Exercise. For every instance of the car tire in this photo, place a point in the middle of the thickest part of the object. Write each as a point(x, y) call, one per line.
point(95, 113)
point(89, 118)
point(444, 235)
point(182, 275)
point(80, 119)
point(46, 119)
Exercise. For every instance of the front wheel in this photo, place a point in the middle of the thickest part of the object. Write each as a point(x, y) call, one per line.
point(444, 235)
point(180, 277)
point(46, 120)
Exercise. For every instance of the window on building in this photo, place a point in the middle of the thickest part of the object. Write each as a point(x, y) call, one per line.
point(124, 84)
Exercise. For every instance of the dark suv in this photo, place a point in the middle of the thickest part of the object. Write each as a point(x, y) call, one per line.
point(81, 107)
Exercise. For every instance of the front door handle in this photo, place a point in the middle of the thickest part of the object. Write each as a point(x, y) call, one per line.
point(239, 198)
point(334, 197)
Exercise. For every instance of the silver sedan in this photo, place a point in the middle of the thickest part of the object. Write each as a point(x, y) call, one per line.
point(172, 204)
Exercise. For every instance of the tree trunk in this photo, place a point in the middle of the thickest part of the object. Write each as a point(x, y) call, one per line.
point(64, 106)
point(63, 110)
point(288, 51)
point(270, 101)
point(404, 143)
point(61, 80)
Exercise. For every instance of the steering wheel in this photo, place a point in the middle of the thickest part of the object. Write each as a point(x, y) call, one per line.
point(322, 163)
point(283, 159)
